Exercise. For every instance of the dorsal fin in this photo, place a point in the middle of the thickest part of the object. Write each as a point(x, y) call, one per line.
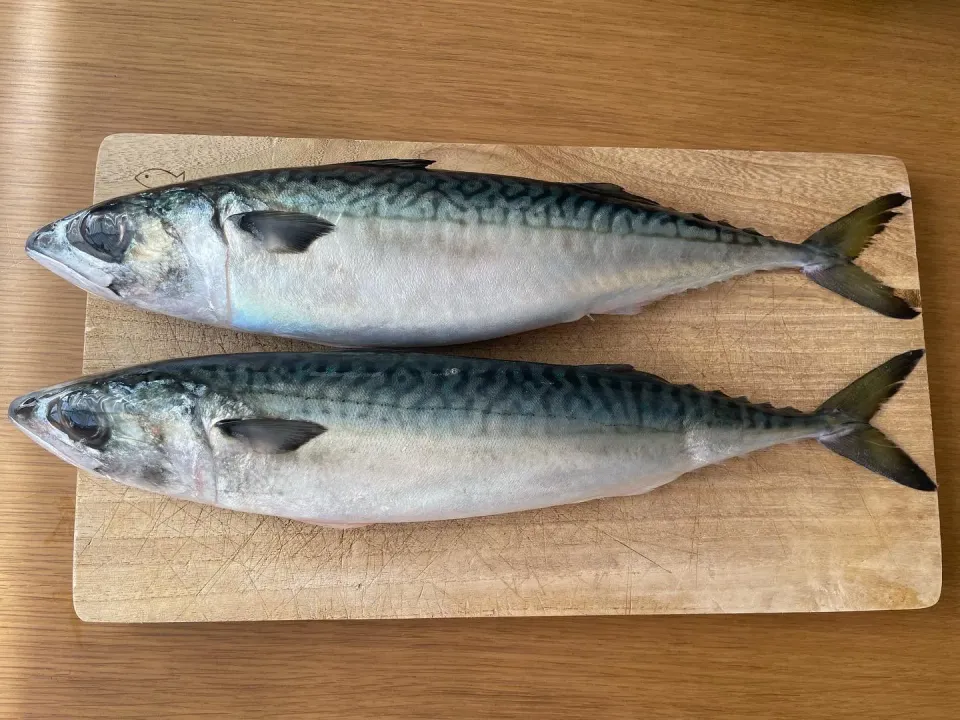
point(615, 191)
point(651, 376)
point(408, 163)
point(743, 400)
point(781, 410)
point(721, 223)
point(726, 224)
point(713, 393)
point(623, 368)
point(612, 190)
point(719, 394)
point(615, 368)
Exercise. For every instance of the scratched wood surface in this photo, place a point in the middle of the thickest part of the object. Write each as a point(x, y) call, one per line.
point(794, 528)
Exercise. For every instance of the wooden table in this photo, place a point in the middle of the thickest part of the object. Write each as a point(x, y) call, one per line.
point(791, 76)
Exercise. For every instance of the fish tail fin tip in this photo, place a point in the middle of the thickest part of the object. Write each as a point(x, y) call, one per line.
point(850, 235)
point(842, 241)
point(858, 440)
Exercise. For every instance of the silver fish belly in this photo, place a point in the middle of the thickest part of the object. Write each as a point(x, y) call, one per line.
point(480, 281)
point(390, 253)
point(356, 438)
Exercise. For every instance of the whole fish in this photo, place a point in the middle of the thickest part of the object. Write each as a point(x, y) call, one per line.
point(363, 437)
point(390, 253)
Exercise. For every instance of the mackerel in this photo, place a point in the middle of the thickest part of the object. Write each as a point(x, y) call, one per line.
point(392, 253)
point(369, 437)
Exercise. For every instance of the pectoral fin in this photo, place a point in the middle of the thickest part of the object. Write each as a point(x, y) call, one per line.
point(271, 436)
point(283, 232)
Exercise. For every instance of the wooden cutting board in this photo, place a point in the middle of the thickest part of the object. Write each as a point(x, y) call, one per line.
point(791, 529)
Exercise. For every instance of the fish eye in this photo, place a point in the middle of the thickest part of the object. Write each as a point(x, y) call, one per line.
point(105, 235)
point(78, 422)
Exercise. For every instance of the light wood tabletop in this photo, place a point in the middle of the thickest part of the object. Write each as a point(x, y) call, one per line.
point(814, 76)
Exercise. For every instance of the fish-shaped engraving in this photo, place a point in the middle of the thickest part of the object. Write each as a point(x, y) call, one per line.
point(158, 177)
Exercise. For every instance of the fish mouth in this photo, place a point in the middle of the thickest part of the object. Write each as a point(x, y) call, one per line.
point(46, 247)
point(22, 409)
point(26, 413)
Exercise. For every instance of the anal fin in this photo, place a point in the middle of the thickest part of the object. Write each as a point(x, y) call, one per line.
point(331, 525)
point(626, 309)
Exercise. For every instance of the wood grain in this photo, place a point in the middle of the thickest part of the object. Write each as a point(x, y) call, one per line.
point(791, 529)
point(816, 76)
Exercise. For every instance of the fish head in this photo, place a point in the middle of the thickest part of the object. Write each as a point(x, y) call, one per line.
point(151, 250)
point(143, 434)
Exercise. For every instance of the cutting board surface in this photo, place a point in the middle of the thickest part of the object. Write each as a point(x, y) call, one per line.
point(790, 529)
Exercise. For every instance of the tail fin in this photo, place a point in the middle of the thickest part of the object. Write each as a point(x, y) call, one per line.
point(842, 241)
point(855, 438)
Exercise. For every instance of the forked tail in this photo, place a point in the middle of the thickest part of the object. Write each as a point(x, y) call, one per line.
point(854, 437)
point(842, 241)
